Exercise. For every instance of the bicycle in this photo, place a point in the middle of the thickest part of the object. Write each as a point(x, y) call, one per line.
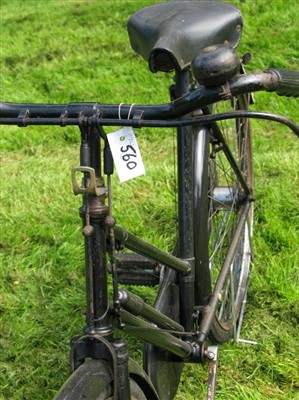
point(226, 198)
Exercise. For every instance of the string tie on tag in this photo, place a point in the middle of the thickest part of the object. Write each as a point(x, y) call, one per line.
point(119, 107)
point(130, 110)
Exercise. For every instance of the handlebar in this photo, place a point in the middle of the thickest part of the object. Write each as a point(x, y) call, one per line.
point(283, 82)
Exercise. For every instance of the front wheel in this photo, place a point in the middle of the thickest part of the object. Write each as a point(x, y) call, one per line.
point(93, 380)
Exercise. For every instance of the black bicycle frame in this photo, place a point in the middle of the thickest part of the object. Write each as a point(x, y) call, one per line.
point(128, 308)
point(100, 234)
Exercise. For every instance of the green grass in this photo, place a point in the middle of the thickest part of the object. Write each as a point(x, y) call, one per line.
point(53, 51)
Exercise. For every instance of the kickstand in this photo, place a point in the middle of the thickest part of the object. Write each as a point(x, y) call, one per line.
point(212, 355)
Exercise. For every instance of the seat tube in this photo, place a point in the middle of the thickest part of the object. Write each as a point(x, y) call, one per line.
point(185, 207)
point(201, 215)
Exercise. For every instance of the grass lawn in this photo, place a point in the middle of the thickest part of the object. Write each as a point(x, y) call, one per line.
point(67, 51)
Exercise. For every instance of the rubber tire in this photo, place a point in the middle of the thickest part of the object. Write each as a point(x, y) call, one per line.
point(93, 380)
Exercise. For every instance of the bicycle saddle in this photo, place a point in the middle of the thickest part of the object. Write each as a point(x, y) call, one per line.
point(169, 35)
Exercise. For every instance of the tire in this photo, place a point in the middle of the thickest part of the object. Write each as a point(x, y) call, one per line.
point(219, 198)
point(93, 380)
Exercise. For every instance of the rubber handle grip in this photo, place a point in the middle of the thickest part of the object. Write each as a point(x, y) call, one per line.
point(287, 82)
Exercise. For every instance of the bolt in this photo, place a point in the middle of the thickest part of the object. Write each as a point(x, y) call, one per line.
point(210, 355)
point(87, 230)
point(110, 222)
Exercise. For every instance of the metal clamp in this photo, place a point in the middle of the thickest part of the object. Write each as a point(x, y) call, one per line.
point(92, 187)
point(224, 91)
point(23, 116)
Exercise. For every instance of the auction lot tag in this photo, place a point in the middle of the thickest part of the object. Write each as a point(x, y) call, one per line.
point(126, 153)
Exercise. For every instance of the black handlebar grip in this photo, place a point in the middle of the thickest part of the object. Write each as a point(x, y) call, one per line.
point(287, 82)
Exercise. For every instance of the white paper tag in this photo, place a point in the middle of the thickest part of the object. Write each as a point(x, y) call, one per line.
point(126, 153)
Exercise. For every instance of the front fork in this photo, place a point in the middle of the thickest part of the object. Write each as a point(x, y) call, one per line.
point(98, 341)
point(93, 214)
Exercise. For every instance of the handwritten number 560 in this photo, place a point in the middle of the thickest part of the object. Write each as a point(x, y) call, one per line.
point(127, 157)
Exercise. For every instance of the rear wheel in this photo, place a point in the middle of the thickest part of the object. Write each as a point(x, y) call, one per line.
point(163, 371)
point(222, 198)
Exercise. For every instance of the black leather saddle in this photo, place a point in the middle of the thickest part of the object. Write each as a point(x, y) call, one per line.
point(169, 35)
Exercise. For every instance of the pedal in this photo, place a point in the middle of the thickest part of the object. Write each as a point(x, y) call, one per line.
point(135, 269)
